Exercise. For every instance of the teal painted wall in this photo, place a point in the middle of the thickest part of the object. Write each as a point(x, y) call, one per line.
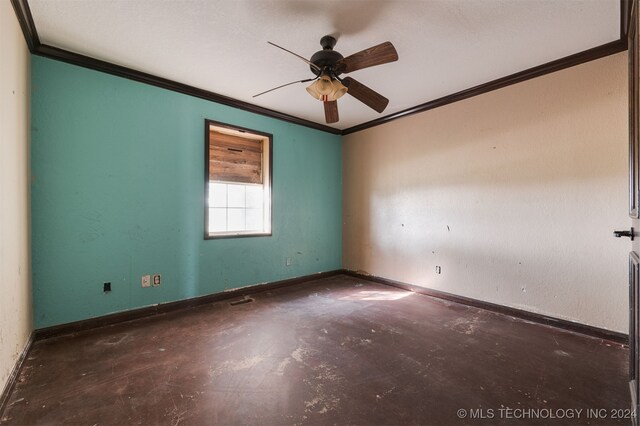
point(118, 189)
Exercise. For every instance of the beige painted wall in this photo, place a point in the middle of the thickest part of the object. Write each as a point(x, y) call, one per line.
point(15, 271)
point(514, 193)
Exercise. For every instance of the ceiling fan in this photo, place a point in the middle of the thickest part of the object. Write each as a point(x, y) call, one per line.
point(327, 65)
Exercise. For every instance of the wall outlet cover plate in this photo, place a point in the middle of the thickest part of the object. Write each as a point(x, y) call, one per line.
point(156, 278)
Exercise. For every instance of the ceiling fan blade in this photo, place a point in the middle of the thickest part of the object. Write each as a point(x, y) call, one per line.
point(376, 55)
point(311, 64)
point(331, 111)
point(369, 97)
point(288, 84)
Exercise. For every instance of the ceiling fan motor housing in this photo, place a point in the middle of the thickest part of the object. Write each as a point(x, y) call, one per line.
point(327, 57)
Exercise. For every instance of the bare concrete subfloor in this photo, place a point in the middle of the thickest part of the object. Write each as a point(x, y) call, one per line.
point(338, 350)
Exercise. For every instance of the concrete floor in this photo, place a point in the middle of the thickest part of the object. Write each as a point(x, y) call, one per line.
point(338, 350)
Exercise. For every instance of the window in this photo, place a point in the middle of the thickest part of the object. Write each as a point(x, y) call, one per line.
point(238, 181)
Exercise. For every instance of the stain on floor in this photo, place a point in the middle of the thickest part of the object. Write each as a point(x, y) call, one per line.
point(337, 350)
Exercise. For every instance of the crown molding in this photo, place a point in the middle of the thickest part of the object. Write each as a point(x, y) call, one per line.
point(23, 13)
point(142, 77)
point(549, 67)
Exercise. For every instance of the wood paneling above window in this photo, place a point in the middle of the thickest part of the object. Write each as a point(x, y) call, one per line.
point(235, 158)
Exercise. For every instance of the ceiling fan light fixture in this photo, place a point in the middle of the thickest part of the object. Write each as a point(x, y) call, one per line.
point(320, 88)
point(326, 89)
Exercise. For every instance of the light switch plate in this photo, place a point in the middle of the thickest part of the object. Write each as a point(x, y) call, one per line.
point(146, 281)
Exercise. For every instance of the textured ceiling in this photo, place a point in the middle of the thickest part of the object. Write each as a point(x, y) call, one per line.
point(221, 45)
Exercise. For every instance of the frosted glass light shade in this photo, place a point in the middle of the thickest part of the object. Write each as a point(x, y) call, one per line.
point(338, 90)
point(326, 89)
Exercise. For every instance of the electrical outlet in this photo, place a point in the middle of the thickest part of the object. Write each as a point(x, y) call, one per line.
point(146, 281)
point(106, 287)
point(438, 270)
point(289, 261)
point(156, 280)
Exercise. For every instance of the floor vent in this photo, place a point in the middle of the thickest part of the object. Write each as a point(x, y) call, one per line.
point(241, 301)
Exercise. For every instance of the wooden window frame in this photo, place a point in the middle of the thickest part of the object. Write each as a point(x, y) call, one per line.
point(268, 180)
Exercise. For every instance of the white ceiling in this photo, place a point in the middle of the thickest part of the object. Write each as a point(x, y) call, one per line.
point(221, 45)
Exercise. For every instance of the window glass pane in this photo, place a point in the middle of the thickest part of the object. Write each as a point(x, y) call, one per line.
point(239, 194)
point(217, 220)
point(217, 194)
point(236, 195)
point(255, 196)
point(255, 219)
point(235, 219)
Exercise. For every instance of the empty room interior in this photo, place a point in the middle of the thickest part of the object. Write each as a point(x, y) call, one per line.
point(306, 212)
